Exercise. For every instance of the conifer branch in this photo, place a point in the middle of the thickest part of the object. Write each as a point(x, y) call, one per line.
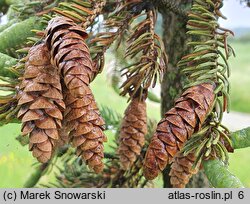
point(115, 26)
point(146, 44)
point(212, 140)
point(98, 6)
point(204, 65)
point(14, 37)
point(8, 100)
point(5, 62)
point(247, 2)
point(241, 138)
point(170, 5)
point(36, 176)
point(219, 175)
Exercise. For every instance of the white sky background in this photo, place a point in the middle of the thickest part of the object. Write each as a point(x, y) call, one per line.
point(238, 15)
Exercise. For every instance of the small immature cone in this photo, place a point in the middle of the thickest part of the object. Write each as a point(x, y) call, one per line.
point(132, 133)
point(187, 116)
point(41, 104)
point(70, 54)
point(86, 128)
point(182, 170)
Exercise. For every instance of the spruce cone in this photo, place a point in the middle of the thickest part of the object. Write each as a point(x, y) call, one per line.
point(41, 103)
point(70, 54)
point(86, 128)
point(132, 133)
point(181, 170)
point(179, 124)
point(63, 135)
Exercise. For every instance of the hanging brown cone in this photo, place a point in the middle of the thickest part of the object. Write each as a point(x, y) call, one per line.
point(182, 170)
point(86, 128)
point(63, 135)
point(70, 54)
point(132, 132)
point(179, 124)
point(41, 104)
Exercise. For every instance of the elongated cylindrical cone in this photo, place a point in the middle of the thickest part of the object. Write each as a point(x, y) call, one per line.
point(187, 116)
point(86, 128)
point(70, 54)
point(132, 133)
point(41, 104)
point(63, 135)
point(182, 170)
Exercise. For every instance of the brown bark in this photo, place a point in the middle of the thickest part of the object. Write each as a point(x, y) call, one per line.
point(175, 40)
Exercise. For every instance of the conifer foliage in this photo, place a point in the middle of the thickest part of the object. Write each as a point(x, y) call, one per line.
point(146, 44)
point(52, 97)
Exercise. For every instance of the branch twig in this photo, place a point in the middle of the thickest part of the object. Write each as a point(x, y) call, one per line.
point(35, 177)
point(170, 5)
point(219, 176)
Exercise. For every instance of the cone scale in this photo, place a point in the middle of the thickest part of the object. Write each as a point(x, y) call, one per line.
point(70, 54)
point(182, 170)
point(41, 105)
point(86, 128)
point(132, 133)
point(177, 126)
